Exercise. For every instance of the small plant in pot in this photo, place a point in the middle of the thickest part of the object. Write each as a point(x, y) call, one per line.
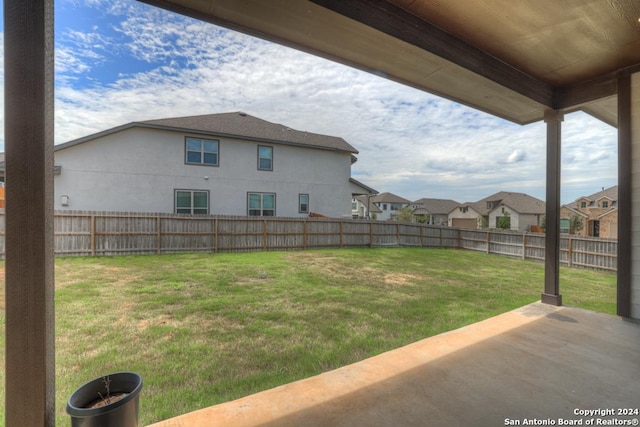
point(107, 401)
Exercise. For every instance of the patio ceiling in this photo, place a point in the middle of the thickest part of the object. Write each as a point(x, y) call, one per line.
point(513, 59)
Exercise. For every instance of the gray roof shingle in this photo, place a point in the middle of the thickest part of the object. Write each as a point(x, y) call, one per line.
point(437, 206)
point(610, 193)
point(238, 124)
point(247, 126)
point(389, 198)
point(519, 202)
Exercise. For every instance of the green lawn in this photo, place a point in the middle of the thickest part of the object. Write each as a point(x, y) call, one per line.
point(203, 329)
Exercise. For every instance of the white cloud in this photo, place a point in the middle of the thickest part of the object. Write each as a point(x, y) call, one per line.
point(411, 143)
point(517, 156)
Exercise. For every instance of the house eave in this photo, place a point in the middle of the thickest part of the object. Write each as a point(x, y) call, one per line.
point(192, 132)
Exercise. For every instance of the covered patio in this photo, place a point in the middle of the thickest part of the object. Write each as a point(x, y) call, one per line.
point(539, 362)
point(523, 61)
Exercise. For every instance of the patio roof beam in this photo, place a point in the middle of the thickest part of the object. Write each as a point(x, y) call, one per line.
point(572, 96)
point(398, 23)
point(28, 83)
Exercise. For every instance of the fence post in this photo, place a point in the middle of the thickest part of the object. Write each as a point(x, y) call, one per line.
point(213, 234)
point(441, 244)
point(264, 234)
point(398, 233)
point(217, 234)
point(158, 234)
point(570, 251)
point(304, 234)
point(93, 235)
point(488, 242)
point(524, 246)
point(370, 233)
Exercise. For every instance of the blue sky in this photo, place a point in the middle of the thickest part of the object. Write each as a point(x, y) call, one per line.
point(119, 61)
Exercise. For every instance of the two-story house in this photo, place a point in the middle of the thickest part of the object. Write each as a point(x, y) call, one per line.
point(518, 210)
point(598, 214)
point(228, 164)
point(389, 204)
point(363, 208)
point(433, 211)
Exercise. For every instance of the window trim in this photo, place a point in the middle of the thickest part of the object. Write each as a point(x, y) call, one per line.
point(191, 207)
point(260, 158)
point(262, 194)
point(300, 210)
point(202, 152)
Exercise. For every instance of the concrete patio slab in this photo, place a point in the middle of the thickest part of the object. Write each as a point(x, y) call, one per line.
point(537, 365)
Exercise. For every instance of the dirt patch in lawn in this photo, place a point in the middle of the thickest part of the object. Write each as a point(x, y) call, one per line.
point(400, 279)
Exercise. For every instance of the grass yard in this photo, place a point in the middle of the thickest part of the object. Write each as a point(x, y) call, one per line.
point(207, 328)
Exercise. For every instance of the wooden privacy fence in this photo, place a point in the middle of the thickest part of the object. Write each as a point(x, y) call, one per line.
point(113, 233)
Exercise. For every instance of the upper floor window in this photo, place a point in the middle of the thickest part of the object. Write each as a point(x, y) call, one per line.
point(202, 151)
point(303, 203)
point(583, 205)
point(265, 158)
point(605, 204)
point(192, 202)
point(261, 204)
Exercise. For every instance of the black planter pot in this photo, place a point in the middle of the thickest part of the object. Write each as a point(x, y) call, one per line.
point(120, 413)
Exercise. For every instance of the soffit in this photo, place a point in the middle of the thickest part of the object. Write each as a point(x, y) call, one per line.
point(513, 59)
point(558, 42)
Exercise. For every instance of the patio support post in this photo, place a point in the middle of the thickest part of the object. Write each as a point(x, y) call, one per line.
point(629, 121)
point(624, 197)
point(29, 345)
point(551, 295)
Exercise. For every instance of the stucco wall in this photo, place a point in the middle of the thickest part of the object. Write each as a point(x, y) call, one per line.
point(502, 211)
point(139, 169)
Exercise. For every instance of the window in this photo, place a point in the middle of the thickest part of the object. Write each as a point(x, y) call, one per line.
point(384, 206)
point(192, 202)
point(261, 204)
point(583, 205)
point(265, 158)
point(564, 225)
point(605, 204)
point(354, 206)
point(201, 151)
point(303, 203)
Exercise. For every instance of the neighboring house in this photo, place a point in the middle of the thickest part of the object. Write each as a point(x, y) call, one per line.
point(433, 211)
point(389, 205)
point(228, 164)
point(465, 216)
point(363, 208)
point(598, 212)
point(521, 211)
